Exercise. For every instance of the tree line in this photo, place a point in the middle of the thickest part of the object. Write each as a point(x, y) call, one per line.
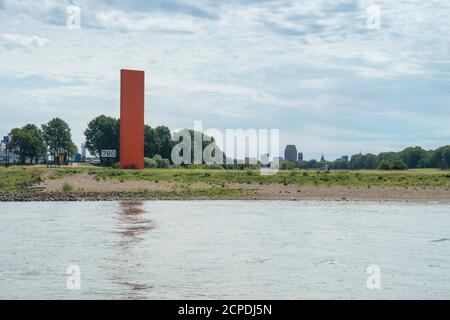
point(409, 158)
point(32, 143)
point(103, 133)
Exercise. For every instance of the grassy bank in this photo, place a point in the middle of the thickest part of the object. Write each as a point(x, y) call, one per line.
point(15, 179)
point(411, 178)
point(18, 179)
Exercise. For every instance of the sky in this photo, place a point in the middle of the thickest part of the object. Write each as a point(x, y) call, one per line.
point(330, 77)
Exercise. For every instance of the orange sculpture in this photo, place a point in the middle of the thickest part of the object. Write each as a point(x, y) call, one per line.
point(132, 87)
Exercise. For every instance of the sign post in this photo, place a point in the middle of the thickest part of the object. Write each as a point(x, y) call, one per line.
point(108, 155)
point(6, 141)
point(56, 157)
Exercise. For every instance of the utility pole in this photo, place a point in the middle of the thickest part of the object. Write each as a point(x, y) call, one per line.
point(6, 141)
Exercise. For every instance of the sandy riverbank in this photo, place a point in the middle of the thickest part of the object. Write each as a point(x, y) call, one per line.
point(86, 188)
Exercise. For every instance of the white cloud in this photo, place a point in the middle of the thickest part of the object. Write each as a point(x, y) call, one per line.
point(138, 22)
point(10, 40)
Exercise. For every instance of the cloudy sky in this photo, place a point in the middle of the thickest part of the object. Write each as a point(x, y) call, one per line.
point(331, 82)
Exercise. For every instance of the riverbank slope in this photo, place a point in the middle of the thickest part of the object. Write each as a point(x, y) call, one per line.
point(89, 183)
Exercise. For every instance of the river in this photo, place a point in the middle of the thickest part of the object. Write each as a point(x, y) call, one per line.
point(224, 250)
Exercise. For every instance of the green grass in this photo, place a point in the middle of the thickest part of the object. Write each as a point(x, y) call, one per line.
point(410, 178)
point(22, 178)
point(13, 179)
point(209, 193)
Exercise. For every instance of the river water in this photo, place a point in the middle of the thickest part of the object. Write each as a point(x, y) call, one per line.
point(224, 250)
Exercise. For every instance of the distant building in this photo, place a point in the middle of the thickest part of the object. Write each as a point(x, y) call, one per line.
point(12, 157)
point(300, 156)
point(290, 153)
point(322, 159)
point(78, 158)
point(83, 152)
point(344, 158)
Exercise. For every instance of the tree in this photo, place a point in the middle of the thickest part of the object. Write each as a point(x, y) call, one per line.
point(163, 142)
point(208, 150)
point(370, 161)
point(103, 133)
point(388, 156)
point(392, 165)
point(149, 142)
point(27, 142)
point(413, 157)
point(441, 158)
point(57, 134)
point(72, 150)
point(399, 165)
point(157, 141)
point(357, 162)
point(385, 165)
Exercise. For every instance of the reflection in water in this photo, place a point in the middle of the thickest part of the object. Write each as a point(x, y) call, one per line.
point(133, 227)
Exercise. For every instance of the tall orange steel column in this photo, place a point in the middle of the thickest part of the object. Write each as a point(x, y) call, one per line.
point(132, 87)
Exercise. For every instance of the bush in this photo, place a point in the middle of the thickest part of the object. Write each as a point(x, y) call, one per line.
point(399, 165)
point(150, 163)
point(385, 165)
point(156, 162)
point(162, 163)
point(67, 187)
point(392, 165)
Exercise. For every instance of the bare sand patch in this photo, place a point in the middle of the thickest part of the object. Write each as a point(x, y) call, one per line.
point(86, 182)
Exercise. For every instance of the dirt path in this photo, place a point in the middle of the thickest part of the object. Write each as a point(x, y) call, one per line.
point(86, 182)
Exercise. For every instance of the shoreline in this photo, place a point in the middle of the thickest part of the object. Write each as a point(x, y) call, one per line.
point(94, 184)
point(339, 194)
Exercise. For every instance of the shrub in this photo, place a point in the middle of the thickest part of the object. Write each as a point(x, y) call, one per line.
point(67, 187)
point(162, 163)
point(399, 165)
point(156, 162)
point(392, 165)
point(385, 165)
point(150, 163)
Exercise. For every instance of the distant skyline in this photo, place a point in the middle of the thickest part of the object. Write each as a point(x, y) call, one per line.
point(312, 69)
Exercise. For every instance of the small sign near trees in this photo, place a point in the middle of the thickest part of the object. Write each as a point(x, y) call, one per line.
point(109, 153)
